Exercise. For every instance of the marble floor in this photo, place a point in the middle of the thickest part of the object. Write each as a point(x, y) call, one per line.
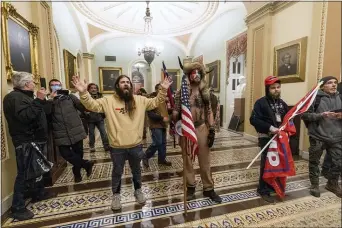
point(87, 204)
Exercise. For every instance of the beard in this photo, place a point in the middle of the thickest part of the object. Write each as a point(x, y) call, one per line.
point(126, 94)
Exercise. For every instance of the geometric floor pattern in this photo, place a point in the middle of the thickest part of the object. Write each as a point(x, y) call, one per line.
point(87, 204)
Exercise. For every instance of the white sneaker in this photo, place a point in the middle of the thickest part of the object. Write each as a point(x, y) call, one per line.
point(139, 196)
point(116, 202)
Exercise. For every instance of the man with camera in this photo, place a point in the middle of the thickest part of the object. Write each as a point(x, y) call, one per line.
point(27, 124)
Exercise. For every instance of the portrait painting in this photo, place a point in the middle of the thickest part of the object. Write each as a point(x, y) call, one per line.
point(108, 76)
point(289, 61)
point(69, 68)
point(213, 78)
point(176, 78)
point(19, 41)
point(139, 72)
point(198, 59)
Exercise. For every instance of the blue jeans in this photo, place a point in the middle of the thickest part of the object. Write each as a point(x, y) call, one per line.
point(20, 184)
point(101, 127)
point(158, 143)
point(119, 157)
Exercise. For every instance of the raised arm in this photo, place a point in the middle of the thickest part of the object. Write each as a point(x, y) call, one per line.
point(152, 103)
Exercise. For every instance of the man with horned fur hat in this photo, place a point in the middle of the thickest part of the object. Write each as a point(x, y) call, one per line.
point(202, 115)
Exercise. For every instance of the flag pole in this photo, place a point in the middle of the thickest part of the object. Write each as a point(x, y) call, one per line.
point(184, 180)
point(282, 127)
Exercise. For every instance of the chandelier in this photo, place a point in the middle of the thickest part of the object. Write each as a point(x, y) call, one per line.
point(149, 50)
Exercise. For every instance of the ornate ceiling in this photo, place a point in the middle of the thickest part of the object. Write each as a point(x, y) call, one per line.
point(169, 17)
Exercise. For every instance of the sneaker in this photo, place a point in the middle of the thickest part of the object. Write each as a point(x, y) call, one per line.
point(213, 196)
point(116, 202)
point(139, 196)
point(334, 187)
point(167, 163)
point(22, 214)
point(314, 190)
point(92, 149)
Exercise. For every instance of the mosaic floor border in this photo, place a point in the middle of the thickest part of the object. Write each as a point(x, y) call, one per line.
point(174, 209)
point(293, 213)
point(103, 171)
point(100, 199)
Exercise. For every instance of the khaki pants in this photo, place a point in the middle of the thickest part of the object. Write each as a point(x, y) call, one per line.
point(203, 160)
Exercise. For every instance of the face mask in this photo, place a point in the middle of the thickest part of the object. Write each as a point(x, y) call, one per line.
point(55, 88)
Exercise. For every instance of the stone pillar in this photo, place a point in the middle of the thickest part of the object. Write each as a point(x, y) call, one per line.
point(89, 67)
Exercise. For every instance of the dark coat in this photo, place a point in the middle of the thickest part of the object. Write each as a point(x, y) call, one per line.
point(66, 121)
point(93, 117)
point(25, 117)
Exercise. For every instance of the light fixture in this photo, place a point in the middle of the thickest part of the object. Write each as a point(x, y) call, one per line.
point(148, 50)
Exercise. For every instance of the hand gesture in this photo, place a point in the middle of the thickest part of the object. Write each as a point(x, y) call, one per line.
point(80, 85)
point(41, 94)
point(53, 94)
point(274, 130)
point(166, 83)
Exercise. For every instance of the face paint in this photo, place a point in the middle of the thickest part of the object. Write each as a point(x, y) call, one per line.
point(195, 75)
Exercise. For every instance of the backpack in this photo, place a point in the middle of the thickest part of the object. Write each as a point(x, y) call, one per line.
point(314, 107)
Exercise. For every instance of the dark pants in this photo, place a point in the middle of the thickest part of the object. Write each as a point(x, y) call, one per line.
point(263, 188)
point(334, 151)
point(74, 155)
point(101, 127)
point(20, 184)
point(326, 163)
point(158, 143)
point(119, 157)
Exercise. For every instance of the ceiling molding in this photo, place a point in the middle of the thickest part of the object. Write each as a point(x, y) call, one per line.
point(94, 31)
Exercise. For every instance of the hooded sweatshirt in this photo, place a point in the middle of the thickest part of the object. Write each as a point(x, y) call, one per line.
point(325, 129)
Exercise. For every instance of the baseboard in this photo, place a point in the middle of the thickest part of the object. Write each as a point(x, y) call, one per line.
point(250, 137)
point(6, 204)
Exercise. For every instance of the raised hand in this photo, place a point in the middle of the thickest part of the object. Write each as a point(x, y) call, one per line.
point(80, 85)
point(166, 83)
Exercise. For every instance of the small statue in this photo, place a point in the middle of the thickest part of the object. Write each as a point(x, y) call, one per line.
point(240, 89)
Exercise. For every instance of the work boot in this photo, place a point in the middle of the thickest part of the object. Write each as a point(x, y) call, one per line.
point(22, 214)
point(213, 196)
point(116, 202)
point(77, 174)
point(314, 190)
point(190, 193)
point(334, 187)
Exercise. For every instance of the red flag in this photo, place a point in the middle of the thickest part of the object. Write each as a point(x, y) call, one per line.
point(279, 163)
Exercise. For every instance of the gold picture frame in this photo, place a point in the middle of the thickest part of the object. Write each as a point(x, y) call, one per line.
point(290, 61)
point(176, 78)
point(70, 68)
point(107, 78)
point(24, 53)
point(214, 69)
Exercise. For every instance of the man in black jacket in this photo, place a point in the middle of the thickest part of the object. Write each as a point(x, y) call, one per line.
point(96, 119)
point(68, 130)
point(27, 123)
point(267, 116)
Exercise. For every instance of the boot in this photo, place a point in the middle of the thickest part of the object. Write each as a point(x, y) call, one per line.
point(314, 190)
point(334, 187)
point(77, 174)
point(22, 214)
point(89, 167)
point(213, 196)
point(190, 193)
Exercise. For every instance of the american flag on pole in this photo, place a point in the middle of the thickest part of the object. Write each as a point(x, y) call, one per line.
point(279, 163)
point(171, 100)
point(188, 129)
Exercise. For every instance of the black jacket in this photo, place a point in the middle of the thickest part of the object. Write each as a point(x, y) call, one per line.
point(25, 117)
point(66, 121)
point(93, 117)
point(263, 117)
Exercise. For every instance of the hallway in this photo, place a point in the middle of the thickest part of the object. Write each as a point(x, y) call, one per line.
point(87, 204)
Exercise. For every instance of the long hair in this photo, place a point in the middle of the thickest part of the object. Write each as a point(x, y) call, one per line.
point(129, 100)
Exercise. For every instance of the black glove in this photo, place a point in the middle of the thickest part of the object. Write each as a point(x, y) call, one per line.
point(211, 137)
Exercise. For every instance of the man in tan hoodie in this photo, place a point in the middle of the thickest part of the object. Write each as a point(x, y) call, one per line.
point(125, 115)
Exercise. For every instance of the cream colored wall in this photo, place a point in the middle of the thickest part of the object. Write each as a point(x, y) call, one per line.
point(38, 13)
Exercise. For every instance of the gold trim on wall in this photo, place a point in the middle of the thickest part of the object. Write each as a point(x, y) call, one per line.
point(4, 151)
point(322, 40)
point(216, 64)
point(301, 61)
point(48, 11)
point(179, 76)
point(101, 78)
point(8, 11)
point(66, 67)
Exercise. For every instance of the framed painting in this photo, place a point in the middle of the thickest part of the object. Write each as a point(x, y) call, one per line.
point(108, 76)
point(214, 69)
point(176, 78)
point(290, 61)
point(139, 75)
point(19, 40)
point(70, 68)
